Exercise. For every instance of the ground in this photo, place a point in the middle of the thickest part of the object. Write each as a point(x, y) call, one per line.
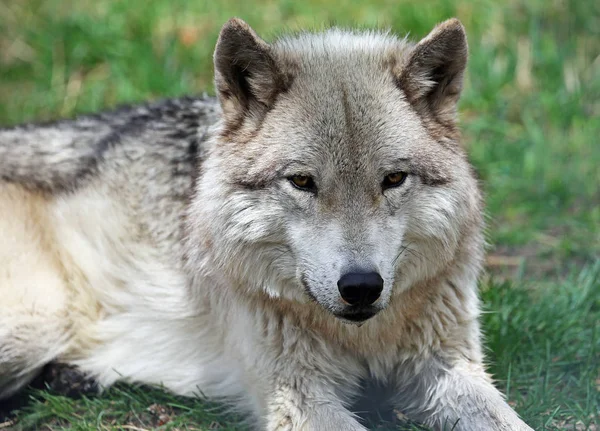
point(531, 120)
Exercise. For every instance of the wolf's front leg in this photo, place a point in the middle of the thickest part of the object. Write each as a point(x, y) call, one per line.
point(457, 397)
point(306, 404)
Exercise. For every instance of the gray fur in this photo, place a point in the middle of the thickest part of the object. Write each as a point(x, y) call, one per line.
point(60, 156)
point(180, 253)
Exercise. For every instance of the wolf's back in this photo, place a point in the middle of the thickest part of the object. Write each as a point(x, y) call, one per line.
point(55, 156)
point(51, 156)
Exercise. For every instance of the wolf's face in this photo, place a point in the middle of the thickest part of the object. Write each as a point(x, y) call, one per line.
point(336, 175)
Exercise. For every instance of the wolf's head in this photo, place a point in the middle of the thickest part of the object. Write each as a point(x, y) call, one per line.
point(336, 174)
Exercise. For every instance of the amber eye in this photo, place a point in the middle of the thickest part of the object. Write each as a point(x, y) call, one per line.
point(394, 180)
point(303, 182)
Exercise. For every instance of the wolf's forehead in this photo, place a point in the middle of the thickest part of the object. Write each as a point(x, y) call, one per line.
point(343, 78)
point(344, 110)
point(347, 125)
point(344, 99)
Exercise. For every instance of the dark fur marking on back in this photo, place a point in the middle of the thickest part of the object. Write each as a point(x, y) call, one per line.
point(166, 122)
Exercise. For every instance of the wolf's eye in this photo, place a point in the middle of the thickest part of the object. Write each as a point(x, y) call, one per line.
point(303, 182)
point(394, 180)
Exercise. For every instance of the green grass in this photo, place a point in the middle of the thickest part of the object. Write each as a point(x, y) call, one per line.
point(531, 116)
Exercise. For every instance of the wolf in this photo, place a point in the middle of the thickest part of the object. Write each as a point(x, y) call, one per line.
point(313, 227)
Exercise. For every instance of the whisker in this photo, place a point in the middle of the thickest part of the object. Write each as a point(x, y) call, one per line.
point(402, 250)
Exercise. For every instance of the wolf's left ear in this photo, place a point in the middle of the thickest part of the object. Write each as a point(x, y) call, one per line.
point(247, 76)
point(432, 75)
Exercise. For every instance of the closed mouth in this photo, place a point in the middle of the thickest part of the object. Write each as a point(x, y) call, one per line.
point(358, 315)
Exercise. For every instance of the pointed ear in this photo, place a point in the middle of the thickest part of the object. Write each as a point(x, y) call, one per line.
point(432, 75)
point(247, 76)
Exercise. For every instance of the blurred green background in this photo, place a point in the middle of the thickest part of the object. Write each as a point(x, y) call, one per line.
point(531, 119)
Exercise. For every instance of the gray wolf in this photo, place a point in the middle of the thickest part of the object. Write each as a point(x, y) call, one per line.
point(315, 226)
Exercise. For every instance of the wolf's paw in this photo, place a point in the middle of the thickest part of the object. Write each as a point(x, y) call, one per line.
point(68, 381)
point(59, 378)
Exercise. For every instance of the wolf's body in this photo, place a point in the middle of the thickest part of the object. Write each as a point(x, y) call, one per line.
point(165, 244)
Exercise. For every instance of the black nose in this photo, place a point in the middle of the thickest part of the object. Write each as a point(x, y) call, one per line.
point(360, 288)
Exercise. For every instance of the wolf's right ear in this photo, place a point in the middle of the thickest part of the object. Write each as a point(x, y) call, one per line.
point(247, 76)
